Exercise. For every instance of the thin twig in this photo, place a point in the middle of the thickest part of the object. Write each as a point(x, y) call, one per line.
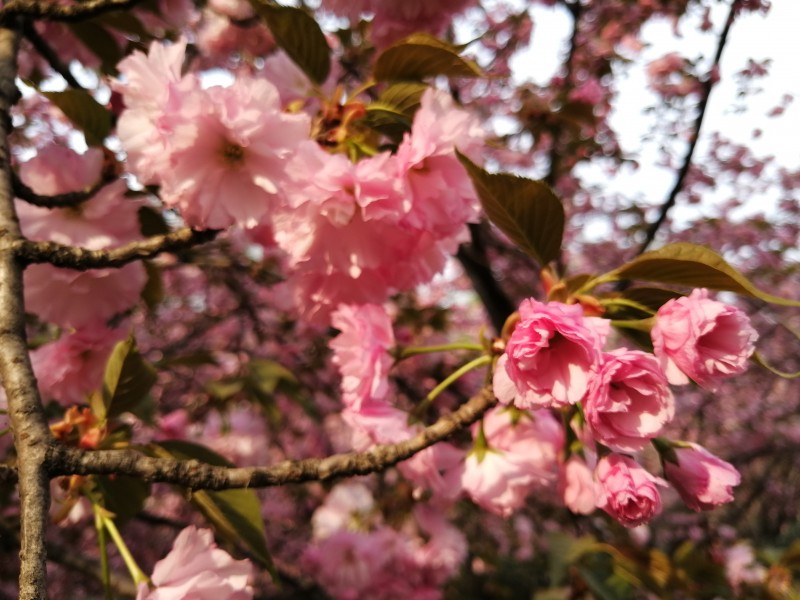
point(82, 259)
point(193, 474)
point(708, 85)
point(46, 52)
point(66, 200)
point(51, 11)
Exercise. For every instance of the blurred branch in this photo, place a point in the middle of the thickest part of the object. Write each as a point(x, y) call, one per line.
point(195, 475)
point(708, 85)
point(46, 52)
point(67, 200)
point(82, 259)
point(51, 11)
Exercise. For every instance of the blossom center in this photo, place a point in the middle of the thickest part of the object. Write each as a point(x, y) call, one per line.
point(232, 154)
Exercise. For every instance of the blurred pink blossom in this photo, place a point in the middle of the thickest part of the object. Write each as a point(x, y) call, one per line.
point(576, 486)
point(196, 568)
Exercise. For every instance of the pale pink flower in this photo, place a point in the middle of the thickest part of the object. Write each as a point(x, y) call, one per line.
point(106, 220)
point(626, 491)
point(347, 506)
point(361, 351)
point(702, 480)
point(196, 568)
point(628, 401)
point(521, 457)
point(549, 357)
point(72, 366)
point(576, 486)
point(703, 339)
point(741, 566)
point(227, 162)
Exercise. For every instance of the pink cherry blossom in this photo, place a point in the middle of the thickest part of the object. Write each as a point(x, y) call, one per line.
point(626, 491)
point(346, 506)
point(520, 457)
point(549, 357)
point(361, 351)
point(703, 339)
point(72, 366)
point(702, 480)
point(576, 486)
point(628, 401)
point(196, 568)
point(108, 219)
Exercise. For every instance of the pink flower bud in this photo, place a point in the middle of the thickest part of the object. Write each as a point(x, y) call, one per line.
point(702, 480)
point(626, 491)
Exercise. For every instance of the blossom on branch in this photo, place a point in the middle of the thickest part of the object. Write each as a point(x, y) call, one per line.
point(702, 480)
point(626, 491)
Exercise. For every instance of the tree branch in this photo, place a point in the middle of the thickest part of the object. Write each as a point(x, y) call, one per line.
point(81, 259)
point(31, 433)
point(47, 53)
point(67, 200)
point(51, 11)
point(708, 85)
point(63, 460)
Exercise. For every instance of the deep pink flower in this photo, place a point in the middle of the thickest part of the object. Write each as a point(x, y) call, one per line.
point(629, 401)
point(195, 568)
point(549, 357)
point(703, 339)
point(361, 351)
point(521, 457)
point(626, 491)
point(702, 480)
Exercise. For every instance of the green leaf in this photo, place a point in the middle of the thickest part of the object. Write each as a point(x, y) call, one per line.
point(153, 291)
point(299, 35)
point(235, 514)
point(86, 113)
point(565, 551)
point(527, 211)
point(127, 380)
point(124, 496)
point(102, 44)
point(403, 97)
point(264, 376)
point(691, 265)
point(422, 55)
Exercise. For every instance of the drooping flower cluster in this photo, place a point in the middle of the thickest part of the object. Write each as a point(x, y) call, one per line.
point(554, 358)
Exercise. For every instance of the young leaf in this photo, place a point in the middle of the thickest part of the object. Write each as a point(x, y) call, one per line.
point(527, 211)
point(692, 265)
point(127, 380)
point(124, 496)
point(100, 41)
point(235, 514)
point(85, 112)
point(300, 37)
point(421, 55)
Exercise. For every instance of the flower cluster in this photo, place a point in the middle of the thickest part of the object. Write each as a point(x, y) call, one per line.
point(554, 358)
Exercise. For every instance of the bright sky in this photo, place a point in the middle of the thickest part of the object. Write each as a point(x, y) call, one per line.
point(752, 36)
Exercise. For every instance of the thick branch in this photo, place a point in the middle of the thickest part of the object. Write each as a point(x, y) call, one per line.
point(196, 475)
point(708, 85)
point(28, 422)
point(67, 200)
point(51, 11)
point(82, 259)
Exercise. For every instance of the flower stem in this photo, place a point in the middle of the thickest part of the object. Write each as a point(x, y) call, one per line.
point(639, 324)
point(452, 378)
point(137, 574)
point(403, 353)
point(102, 541)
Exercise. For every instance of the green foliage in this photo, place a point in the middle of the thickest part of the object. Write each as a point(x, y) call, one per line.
point(420, 56)
point(126, 382)
point(527, 211)
point(393, 112)
point(86, 113)
point(299, 35)
point(234, 514)
point(121, 495)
